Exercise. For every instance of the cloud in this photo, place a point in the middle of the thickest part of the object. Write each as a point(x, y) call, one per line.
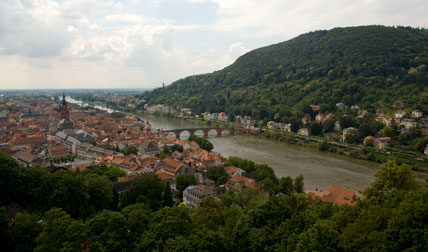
point(289, 18)
point(105, 43)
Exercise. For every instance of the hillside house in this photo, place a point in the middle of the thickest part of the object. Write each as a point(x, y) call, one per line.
point(303, 131)
point(315, 107)
point(408, 123)
point(382, 142)
point(398, 104)
point(417, 113)
point(320, 117)
point(400, 114)
point(368, 139)
point(340, 106)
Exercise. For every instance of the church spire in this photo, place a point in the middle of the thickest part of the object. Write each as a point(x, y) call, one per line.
point(64, 109)
point(64, 103)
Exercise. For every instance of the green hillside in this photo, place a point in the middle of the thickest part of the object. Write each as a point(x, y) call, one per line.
point(370, 66)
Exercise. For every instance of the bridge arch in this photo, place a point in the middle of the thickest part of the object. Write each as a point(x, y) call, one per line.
point(172, 133)
point(212, 132)
point(185, 134)
point(225, 132)
point(199, 133)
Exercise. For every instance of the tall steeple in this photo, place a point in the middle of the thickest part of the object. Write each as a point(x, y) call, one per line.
point(64, 103)
point(64, 109)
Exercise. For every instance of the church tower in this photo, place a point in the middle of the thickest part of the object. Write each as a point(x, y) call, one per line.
point(65, 117)
point(64, 109)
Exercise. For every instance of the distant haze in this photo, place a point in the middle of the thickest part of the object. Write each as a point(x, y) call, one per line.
point(142, 44)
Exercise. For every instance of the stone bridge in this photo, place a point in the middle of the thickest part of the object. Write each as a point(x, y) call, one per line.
point(205, 131)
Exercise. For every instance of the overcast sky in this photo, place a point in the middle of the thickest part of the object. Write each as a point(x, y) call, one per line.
point(141, 44)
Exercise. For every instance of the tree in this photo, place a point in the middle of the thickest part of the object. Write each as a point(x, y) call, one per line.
point(148, 190)
point(5, 243)
point(420, 144)
point(308, 110)
point(263, 171)
point(298, 184)
point(10, 177)
point(366, 232)
point(165, 225)
point(77, 237)
point(177, 147)
point(110, 230)
point(100, 191)
point(71, 193)
point(54, 226)
point(352, 137)
point(320, 237)
point(345, 122)
point(182, 182)
point(114, 172)
point(25, 232)
point(218, 174)
point(286, 185)
point(391, 179)
point(131, 149)
point(167, 196)
point(387, 131)
point(315, 128)
point(328, 125)
point(407, 227)
point(137, 219)
point(294, 127)
point(202, 142)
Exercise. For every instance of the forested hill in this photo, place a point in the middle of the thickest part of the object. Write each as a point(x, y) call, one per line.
point(370, 66)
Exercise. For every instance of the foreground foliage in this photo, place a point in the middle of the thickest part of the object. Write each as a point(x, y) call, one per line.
point(55, 215)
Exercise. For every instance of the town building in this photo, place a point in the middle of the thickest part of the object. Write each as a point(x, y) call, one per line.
point(65, 122)
point(149, 148)
point(337, 195)
point(193, 195)
point(234, 171)
point(244, 182)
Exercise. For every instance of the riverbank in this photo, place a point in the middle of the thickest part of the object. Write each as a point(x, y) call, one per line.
point(418, 163)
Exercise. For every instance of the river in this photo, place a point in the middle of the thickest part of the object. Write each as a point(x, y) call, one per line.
point(320, 169)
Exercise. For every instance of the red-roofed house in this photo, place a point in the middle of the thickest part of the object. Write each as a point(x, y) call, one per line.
point(234, 171)
point(338, 195)
point(57, 151)
point(245, 182)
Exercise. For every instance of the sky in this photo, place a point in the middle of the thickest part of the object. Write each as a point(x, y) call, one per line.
point(142, 44)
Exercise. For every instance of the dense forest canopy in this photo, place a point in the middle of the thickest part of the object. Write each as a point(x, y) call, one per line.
point(64, 211)
point(369, 66)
